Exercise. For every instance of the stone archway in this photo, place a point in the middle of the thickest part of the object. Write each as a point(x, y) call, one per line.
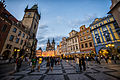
point(6, 54)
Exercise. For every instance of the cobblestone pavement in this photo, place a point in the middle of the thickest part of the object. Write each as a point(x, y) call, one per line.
point(66, 71)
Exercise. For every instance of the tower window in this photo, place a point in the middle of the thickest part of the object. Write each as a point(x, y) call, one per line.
point(17, 40)
point(14, 30)
point(35, 26)
point(19, 33)
point(21, 42)
point(4, 28)
point(11, 38)
point(29, 14)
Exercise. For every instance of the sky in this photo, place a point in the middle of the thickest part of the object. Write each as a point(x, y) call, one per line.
point(59, 17)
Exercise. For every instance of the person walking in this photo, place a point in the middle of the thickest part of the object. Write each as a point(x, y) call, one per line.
point(48, 63)
point(80, 63)
point(83, 63)
point(39, 62)
point(52, 63)
point(115, 58)
point(18, 64)
point(33, 63)
point(77, 63)
point(106, 59)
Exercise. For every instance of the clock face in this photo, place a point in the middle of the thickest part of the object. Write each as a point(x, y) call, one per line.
point(29, 14)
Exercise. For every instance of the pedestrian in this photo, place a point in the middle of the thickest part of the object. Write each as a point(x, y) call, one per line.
point(97, 59)
point(77, 63)
point(48, 63)
point(52, 63)
point(33, 63)
point(115, 58)
point(80, 63)
point(55, 61)
point(18, 64)
point(39, 62)
point(83, 63)
point(106, 59)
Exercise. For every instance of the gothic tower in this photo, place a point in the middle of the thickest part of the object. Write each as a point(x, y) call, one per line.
point(53, 44)
point(31, 19)
point(48, 45)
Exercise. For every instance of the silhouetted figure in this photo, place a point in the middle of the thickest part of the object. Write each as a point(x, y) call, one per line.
point(48, 63)
point(83, 63)
point(18, 63)
point(52, 63)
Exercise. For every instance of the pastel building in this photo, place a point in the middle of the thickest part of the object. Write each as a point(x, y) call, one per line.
point(106, 34)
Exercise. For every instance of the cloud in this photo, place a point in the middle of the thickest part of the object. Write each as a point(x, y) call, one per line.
point(86, 20)
point(43, 27)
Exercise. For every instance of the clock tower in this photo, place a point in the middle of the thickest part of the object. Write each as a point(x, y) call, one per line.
point(31, 19)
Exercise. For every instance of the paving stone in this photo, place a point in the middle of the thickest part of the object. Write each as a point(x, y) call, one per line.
point(35, 77)
point(55, 72)
point(41, 72)
point(103, 69)
point(116, 74)
point(78, 77)
point(89, 70)
point(70, 71)
point(54, 77)
point(70, 67)
point(57, 67)
point(22, 72)
point(101, 76)
point(10, 78)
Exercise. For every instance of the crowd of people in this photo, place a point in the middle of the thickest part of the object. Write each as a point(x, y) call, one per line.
point(52, 61)
point(82, 61)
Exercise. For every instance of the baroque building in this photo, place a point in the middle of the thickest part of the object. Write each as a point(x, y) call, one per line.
point(86, 43)
point(72, 42)
point(106, 35)
point(50, 46)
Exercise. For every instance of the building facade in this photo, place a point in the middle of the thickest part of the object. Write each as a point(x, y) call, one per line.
point(106, 34)
point(64, 45)
point(19, 39)
point(72, 42)
point(115, 10)
point(86, 43)
point(5, 25)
